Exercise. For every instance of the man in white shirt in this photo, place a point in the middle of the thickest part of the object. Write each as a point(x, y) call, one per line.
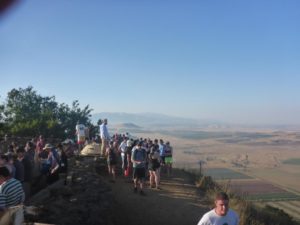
point(123, 150)
point(221, 214)
point(80, 132)
point(104, 135)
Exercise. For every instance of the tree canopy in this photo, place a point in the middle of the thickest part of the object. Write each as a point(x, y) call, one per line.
point(27, 113)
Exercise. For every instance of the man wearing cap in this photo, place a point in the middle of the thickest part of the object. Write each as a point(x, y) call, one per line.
point(138, 158)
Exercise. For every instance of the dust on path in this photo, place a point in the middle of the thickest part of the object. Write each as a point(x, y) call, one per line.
point(178, 202)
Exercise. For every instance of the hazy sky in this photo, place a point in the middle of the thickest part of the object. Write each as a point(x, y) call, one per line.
point(235, 61)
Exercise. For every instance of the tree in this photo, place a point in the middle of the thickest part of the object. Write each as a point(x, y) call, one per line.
point(3, 128)
point(68, 117)
point(27, 113)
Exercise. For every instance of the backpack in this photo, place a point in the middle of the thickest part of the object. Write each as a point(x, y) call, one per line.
point(154, 162)
point(45, 168)
point(56, 156)
point(111, 155)
point(144, 152)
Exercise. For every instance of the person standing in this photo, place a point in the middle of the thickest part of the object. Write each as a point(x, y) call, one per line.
point(168, 158)
point(40, 144)
point(138, 158)
point(123, 149)
point(27, 165)
point(153, 166)
point(162, 148)
point(221, 214)
point(30, 152)
point(111, 154)
point(104, 135)
point(80, 132)
point(63, 162)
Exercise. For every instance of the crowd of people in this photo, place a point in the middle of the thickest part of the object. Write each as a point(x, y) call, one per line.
point(139, 159)
point(36, 163)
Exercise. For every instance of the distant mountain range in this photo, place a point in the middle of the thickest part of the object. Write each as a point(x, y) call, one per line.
point(139, 121)
point(150, 119)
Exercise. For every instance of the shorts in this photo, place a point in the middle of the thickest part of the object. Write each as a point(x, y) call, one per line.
point(139, 173)
point(111, 162)
point(168, 160)
point(81, 140)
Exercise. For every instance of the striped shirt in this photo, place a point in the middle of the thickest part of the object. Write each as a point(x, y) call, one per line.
point(11, 193)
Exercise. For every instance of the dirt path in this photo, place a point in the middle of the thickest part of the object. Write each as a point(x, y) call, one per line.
point(177, 202)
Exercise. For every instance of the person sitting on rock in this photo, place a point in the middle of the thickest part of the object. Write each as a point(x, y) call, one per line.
point(11, 191)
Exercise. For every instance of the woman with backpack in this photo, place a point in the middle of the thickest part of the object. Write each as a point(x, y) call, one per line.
point(153, 166)
point(111, 154)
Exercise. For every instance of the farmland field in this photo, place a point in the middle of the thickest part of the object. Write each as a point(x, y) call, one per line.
point(286, 176)
point(290, 207)
point(292, 161)
point(224, 173)
point(261, 190)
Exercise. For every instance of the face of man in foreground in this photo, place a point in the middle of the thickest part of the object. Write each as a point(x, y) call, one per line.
point(221, 207)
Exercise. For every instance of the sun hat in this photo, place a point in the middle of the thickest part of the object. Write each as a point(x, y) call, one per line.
point(47, 146)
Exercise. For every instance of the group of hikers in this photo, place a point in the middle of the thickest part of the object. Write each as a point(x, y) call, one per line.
point(140, 158)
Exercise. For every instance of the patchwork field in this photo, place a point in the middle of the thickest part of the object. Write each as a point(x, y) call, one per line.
point(285, 176)
point(258, 190)
point(224, 174)
point(292, 161)
point(290, 207)
point(249, 187)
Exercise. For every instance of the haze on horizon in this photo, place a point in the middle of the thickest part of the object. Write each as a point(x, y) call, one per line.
point(236, 62)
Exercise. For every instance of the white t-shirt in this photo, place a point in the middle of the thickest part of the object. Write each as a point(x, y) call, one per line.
point(104, 132)
point(211, 218)
point(80, 130)
point(122, 147)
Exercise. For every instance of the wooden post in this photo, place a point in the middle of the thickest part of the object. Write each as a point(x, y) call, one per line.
point(200, 164)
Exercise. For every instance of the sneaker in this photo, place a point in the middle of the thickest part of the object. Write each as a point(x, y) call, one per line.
point(142, 193)
point(158, 188)
point(135, 190)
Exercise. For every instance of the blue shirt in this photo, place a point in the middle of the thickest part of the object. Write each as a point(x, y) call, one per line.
point(139, 155)
point(162, 149)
